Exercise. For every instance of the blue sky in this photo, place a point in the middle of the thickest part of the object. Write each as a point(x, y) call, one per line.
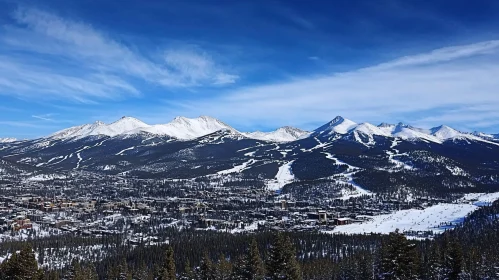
point(256, 65)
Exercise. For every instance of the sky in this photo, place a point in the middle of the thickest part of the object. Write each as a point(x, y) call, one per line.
point(254, 64)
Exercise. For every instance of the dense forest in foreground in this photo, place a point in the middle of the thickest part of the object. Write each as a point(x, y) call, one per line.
point(467, 252)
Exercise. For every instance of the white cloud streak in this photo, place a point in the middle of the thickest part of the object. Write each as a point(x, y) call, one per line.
point(69, 59)
point(455, 77)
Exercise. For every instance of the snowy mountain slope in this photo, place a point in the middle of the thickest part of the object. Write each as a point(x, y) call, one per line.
point(405, 131)
point(337, 125)
point(283, 134)
point(187, 128)
point(7, 140)
point(429, 219)
point(384, 162)
point(118, 127)
point(370, 129)
point(444, 132)
point(190, 128)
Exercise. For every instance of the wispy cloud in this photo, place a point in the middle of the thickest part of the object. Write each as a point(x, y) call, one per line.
point(455, 77)
point(196, 66)
point(44, 54)
point(445, 54)
point(44, 117)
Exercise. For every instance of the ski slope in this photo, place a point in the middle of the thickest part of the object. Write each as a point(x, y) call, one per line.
point(284, 176)
point(436, 218)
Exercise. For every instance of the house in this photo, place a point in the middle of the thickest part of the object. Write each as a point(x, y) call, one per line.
point(342, 221)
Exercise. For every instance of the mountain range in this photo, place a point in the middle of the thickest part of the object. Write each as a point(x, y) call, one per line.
point(394, 158)
point(183, 128)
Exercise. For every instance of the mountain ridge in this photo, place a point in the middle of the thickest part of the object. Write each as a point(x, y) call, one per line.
point(184, 128)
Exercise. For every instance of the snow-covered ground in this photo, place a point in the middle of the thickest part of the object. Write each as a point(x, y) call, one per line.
point(251, 227)
point(237, 168)
point(479, 199)
point(37, 231)
point(46, 177)
point(284, 176)
point(436, 218)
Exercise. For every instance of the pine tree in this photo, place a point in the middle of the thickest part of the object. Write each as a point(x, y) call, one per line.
point(282, 262)
point(188, 273)
point(254, 263)
point(398, 258)
point(223, 269)
point(141, 272)
point(293, 270)
point(22, 266)
point(75, 272)
point(11, 267)
point(453, 260)
point(206, 268)
point(240, 271)
point(168, 270)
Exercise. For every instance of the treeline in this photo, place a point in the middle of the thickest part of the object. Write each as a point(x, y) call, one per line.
point(396, 258)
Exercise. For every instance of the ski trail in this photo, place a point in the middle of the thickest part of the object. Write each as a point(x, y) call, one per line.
point(78, 152)
point(396, 153)
point(284, 176)
point(122, 151)
point(237, 168)
point(348, 178)
point(79, 160)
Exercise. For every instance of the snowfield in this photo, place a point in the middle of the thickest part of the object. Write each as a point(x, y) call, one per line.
point(479, 199)
point(436, 218)
point(284, 176)
point(46, 177)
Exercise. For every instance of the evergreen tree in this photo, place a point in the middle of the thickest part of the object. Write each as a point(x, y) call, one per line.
point(453, 259)
point(22, 266)
point(141, 272)
point(168, 270)
point(282, 262)
point(433, 268)
point(188, 273)
point(240, 271)
point(206, 270)
point(398, 258)
point(223, 269)
point(255, 266)
point(75, 272)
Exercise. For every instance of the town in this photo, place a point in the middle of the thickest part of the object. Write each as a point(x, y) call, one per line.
point(112, 205)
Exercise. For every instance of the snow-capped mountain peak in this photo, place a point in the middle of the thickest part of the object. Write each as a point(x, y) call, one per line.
point(118, 127)
point(184, 128)
point(370, 129)
point(7, 140)
point(444, 132)
point(187, 128)
point(124, 125)
point(337, 125)
point(283, 134)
